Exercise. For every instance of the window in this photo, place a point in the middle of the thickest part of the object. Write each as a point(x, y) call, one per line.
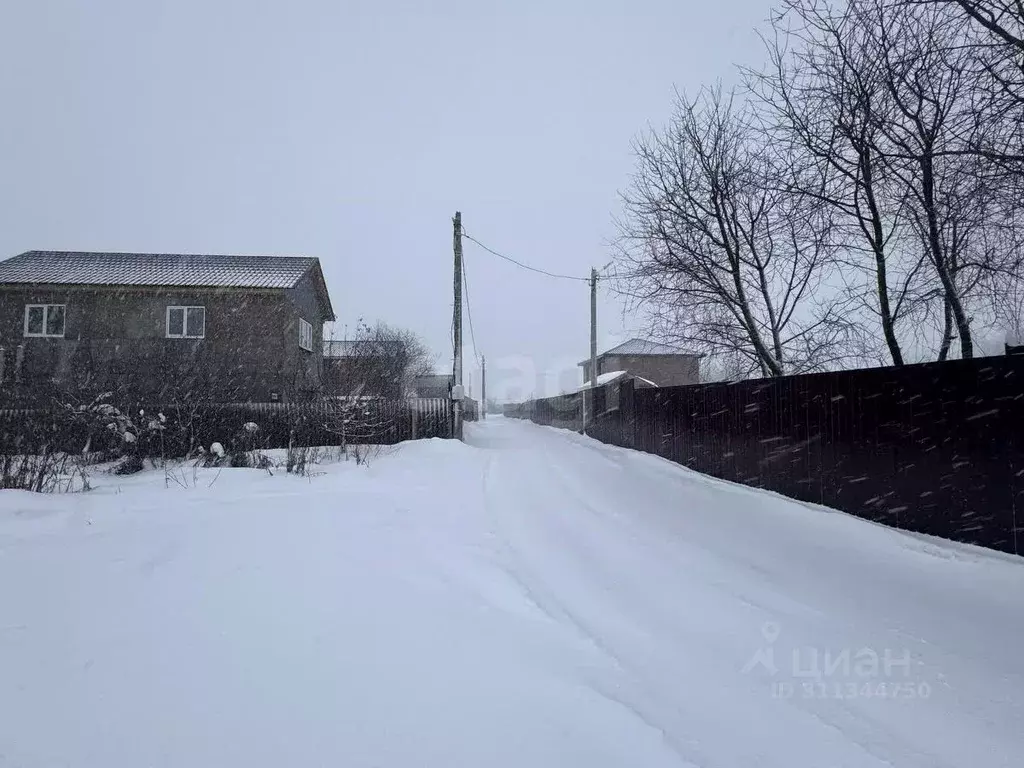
point(305, 335)
point(44, 320)
point(186, 322)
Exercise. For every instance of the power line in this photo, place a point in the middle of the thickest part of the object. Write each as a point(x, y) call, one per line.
point(451, 330)
point(521, 264)
point(469, 311)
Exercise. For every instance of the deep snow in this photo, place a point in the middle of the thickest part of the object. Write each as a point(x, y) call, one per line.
point(532, 598)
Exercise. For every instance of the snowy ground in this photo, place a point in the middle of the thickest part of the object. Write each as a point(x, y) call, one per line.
point(532, 599)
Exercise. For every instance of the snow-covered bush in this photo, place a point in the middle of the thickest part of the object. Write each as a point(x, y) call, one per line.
point(102, 424)
point(301, 459)
point(43, 473)
point(245, 451)
point(363, 453)
point(216, 456)
point(296, 458)
point(129, 465)
point(41, 452)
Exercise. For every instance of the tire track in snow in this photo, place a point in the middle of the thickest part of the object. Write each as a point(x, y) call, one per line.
point(559, 613)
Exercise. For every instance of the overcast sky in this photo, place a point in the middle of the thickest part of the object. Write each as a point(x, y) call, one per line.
point(352, 131)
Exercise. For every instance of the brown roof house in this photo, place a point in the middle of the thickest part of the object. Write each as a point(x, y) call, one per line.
point(159, 327)
point(658, 364)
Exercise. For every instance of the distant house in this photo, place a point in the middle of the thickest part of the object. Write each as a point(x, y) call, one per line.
point(364, 367)
point(660, 364)
point(433, 385)
point(161, 326)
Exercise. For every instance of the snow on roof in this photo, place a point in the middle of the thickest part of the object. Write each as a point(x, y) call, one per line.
point(610, 376)
point(81, 268)
point(643, 347)
point(605, 378)
point(162, 269)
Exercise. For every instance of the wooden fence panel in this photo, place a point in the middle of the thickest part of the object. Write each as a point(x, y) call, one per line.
point(339, 421)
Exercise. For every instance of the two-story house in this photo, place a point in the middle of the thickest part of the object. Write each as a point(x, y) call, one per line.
point(660, 364)
point(157, 327)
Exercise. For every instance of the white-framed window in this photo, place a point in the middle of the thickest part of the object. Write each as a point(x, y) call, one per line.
point(186, 322)
point(305, 335)
point(45, 320)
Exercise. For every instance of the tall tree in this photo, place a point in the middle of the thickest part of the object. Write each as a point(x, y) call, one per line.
point(952, 195)
point(1003, 19)
point(824, 92)
point(718, 252)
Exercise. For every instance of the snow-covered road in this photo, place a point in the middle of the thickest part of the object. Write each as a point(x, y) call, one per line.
point(531, 598)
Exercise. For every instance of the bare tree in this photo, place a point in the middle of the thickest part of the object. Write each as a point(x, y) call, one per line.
point(367, 381)
point(1004, 19)
point(875, 183)
point(952, 196)
point(718, 252)
point(381, 360)
point(994, 38)
point(825, 93)
point(1000, 24)
point(1007, 300)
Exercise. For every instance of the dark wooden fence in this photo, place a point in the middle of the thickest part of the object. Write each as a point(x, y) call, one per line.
point(935, 448)
point(187, 426)
point(564, 411)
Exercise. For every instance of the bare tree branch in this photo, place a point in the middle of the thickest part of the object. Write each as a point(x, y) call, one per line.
point(716, 249)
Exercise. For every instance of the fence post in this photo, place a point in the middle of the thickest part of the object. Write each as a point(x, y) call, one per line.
point(627, 414)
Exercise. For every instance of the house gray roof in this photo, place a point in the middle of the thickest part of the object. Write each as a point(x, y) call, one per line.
point(161, 269)
point(643, 347)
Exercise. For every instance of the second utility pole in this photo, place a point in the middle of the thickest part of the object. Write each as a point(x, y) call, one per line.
point(593, 343)
point(593, 327)
point(483, 388)
point(457, 326)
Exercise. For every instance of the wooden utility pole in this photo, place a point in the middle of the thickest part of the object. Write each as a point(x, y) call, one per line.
point(483, 387)
point(593, 327)
point(457, 325)
point(593, 340)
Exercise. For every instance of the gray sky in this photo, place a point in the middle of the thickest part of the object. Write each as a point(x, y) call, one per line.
point(352, 131)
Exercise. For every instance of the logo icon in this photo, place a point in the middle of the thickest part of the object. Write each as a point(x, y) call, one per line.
point(765, 656)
